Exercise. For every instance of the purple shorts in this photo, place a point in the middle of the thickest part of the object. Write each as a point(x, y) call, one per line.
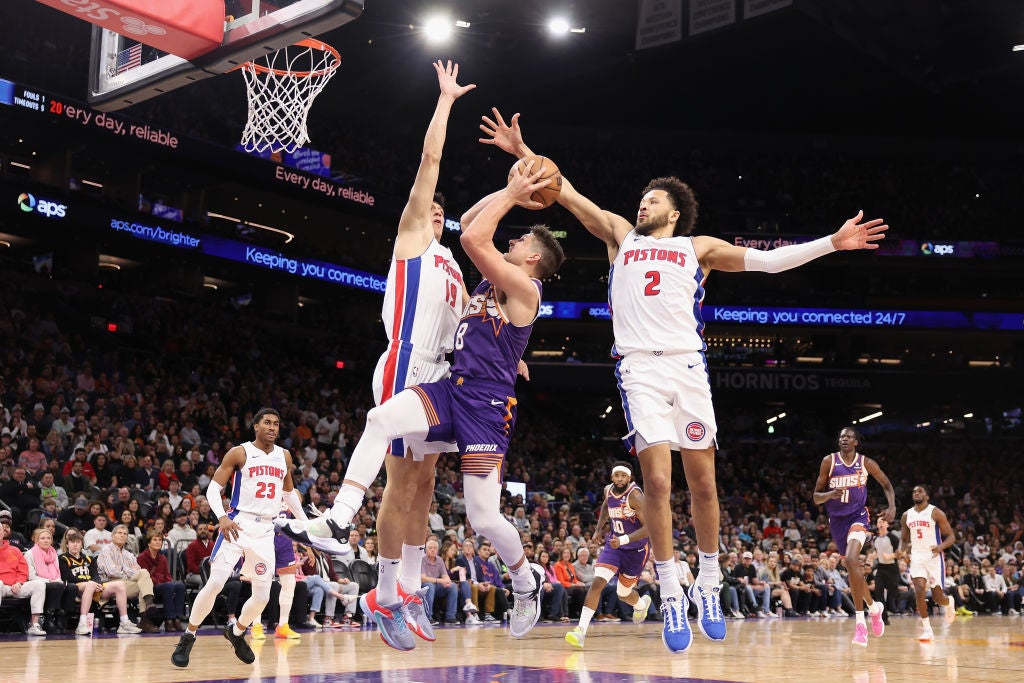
point(625, 561)
point(284, 554)
point(477, 416)
point(840, 527)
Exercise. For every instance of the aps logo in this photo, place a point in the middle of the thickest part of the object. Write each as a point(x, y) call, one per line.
point(937, 248)
point(28, 203)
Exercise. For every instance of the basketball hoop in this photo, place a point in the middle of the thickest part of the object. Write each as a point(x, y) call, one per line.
point(281, 87)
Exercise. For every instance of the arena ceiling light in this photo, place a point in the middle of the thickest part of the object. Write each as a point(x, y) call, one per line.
point(866, 418)
point(1018, 48)
point(437, 29)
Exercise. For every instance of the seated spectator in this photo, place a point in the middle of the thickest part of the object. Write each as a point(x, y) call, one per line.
point(491, 588)
point(439, 585)
point(81, 579)
point(98, 536)
point(196, 551)
point(21, 492)
point(15, 538)
point(77, 516)
point(14, 581)
point(43, 566)
point(576, 590)
point(48, 488)
point(326, 589)
point(554, 602)
point(114, 562)
point(182, 531)
point(171, 592)
point(459, 575)
point(136, 536)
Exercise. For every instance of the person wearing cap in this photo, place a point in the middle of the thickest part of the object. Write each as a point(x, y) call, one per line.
point(624, 553)
point(15, 538)
point(181, 531)
point(980, 550)
point(77, 516)
point(14, 581)
point(63, 425)
point(756, 590)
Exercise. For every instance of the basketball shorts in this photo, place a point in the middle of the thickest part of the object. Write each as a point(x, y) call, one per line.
point(667, 398)
point(478, 416)
point(628, 562)
point(401, 367)
point(929, 567)
point(255, 543)
point(840, 527)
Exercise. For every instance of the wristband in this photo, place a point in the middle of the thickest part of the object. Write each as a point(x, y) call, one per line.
point(623, 539)
point(213, 497)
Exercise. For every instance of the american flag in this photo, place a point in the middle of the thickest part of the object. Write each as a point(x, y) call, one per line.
point(130, 58)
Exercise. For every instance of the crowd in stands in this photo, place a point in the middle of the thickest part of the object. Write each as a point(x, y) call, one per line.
point(106, 451)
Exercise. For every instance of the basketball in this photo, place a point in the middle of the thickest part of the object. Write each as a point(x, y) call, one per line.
point(545, 195)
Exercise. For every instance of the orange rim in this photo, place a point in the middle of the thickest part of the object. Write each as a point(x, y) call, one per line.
point(308, 42)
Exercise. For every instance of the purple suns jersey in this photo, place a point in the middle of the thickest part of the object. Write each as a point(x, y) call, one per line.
point(487, 346)
point(852, 480)
point(623, 518)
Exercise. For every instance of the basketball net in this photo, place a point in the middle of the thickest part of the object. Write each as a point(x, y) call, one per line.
point(281, 87)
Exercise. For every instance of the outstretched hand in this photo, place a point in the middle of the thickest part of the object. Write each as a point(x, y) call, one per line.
point(447, 78)
point(857, 235)
point(508, 138)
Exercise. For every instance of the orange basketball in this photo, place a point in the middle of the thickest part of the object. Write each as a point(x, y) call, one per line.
point(545, 195)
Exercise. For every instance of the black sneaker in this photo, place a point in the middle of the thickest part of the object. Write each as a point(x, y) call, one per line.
point(339, 532)
point(242, 649)
point(183, 649)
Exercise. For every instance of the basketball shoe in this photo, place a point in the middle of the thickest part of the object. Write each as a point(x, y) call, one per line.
point(877, 624)
point(576, 637)
point(416, 614)
point(709, 611)
point(242, 649)
point(526, 606)
point(322, 532)
point(860, 635)
point(948, 612)
point(676, 633)
point(390, 619)
point(640, 611)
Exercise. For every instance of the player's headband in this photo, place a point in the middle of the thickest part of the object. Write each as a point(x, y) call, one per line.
point(622, 468)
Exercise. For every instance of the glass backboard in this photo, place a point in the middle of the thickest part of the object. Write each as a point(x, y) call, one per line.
point(124, 71)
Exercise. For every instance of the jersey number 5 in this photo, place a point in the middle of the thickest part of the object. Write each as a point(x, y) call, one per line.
point(653, 280)
point(920, 534)
point(265, 489)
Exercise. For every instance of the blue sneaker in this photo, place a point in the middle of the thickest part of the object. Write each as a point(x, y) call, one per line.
point(709, 611)
point(390, 619)
point(676, 634)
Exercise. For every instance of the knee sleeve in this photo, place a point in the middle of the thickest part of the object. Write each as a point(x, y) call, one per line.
point(603, 573)
point(622, 590)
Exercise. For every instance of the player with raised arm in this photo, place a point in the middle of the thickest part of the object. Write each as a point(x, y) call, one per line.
point(624, 553)
point(924, 535)
point(423, 303)
point(842, 487)
point(656, 285)
point(261, 479)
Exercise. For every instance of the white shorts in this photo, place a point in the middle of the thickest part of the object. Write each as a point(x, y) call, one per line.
point(403, 366)
point(928, 567)
point(667, 398)
point(255, 542)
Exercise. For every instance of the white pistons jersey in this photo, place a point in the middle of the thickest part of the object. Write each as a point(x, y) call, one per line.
point(423, 300)
point(924, 531)
point(258, 486)
point(655, 291)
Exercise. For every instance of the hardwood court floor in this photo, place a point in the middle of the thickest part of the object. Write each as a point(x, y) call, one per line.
point(986, 648)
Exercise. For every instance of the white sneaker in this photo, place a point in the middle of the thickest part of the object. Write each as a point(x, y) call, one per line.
point(35, 630)
point(640, 611)
point(469, 607)
point(128, 627)
point(472, 619)
point(526, 606)
point(1013, 612)
point(83, 629)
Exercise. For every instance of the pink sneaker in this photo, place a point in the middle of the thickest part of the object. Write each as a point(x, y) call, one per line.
point(860, 637)
point(877, 625)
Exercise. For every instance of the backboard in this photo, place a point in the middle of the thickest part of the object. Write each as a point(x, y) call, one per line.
point(123, 71)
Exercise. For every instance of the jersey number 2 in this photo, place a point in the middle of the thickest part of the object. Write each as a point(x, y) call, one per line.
point(653, 280)
point(265, 489)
